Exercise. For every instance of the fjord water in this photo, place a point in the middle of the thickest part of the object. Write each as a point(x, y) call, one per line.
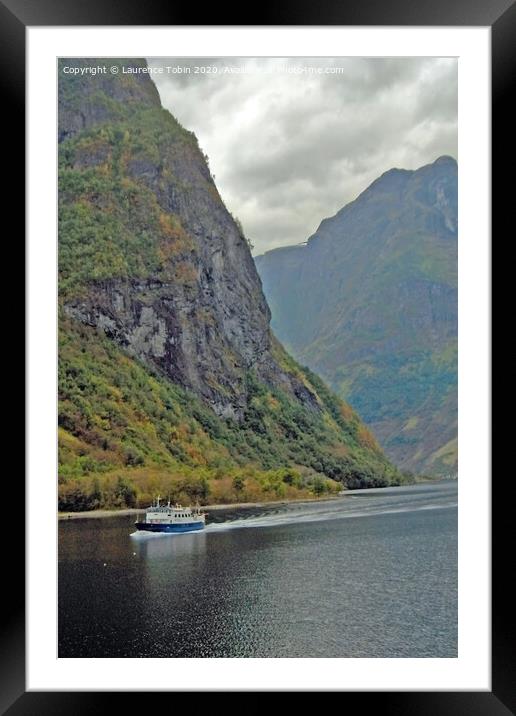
point(370, 574)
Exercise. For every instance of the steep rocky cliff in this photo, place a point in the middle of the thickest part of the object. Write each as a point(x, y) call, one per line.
point(370, 303)
point(150, 258)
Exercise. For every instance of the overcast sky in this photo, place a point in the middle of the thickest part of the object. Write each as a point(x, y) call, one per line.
point(290, 148)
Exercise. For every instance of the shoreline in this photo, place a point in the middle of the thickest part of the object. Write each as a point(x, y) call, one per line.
point(100, 514)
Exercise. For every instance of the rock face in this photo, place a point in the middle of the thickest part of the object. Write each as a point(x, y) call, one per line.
point(370, 302)
point(86, 101)
point(205, 329)
point(150, 257)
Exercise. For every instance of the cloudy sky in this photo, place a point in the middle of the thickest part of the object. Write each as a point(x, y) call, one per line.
point(291, 141)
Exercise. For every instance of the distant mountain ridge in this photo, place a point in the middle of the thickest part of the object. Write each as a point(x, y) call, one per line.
point(370, 303)
point(170, 379)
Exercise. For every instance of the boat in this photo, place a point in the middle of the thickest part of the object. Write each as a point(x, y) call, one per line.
point(168, 518)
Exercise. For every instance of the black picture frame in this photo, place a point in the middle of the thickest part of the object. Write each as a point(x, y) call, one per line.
point(500, 15)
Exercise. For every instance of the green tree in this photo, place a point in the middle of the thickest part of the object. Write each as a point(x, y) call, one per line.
point(125, 493)
point(319, 486)
point(238, 483)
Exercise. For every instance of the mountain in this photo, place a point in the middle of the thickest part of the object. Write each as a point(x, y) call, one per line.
point(170, 379)
point(370, 303)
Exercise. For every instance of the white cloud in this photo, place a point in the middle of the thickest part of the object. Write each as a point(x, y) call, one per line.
point(288, 150)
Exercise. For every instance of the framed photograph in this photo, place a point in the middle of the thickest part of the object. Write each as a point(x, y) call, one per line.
point(258, 270)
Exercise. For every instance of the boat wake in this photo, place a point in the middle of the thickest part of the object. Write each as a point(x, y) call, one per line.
point(288, 518)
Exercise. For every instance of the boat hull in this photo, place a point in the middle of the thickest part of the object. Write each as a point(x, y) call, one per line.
point(153, 527)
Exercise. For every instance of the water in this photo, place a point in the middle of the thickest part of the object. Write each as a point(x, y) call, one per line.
point(371, 574)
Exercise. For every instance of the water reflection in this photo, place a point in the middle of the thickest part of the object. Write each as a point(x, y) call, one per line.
point(161, 546)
